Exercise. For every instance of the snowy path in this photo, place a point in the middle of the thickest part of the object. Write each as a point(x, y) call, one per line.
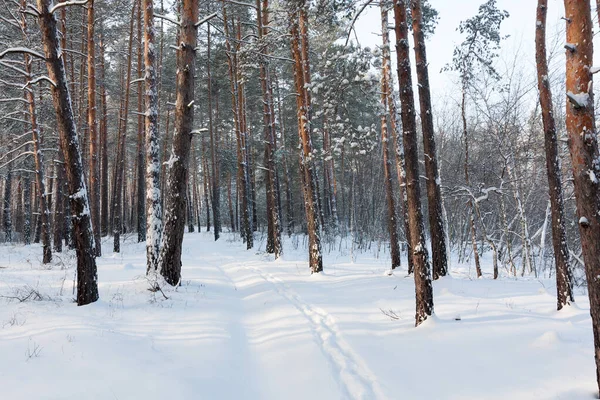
point(243, 326)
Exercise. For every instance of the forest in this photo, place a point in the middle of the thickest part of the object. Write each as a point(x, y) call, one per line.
point(249, 187)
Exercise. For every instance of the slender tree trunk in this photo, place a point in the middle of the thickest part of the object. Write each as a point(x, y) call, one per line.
point(242, 174)
point(387, 175)
point(289, 206)
point(141, 181)
point(178, 168)
point(423, 287)
point(103, 141)
point(470, 205)
point(119, 183)
point(87, 287)
point(59, 210)
point(93, 157)
point(6, 209)
point(564, 285)
point(153, 194)
point(216, 189)
point(274, 230)
point(299, 45)
point(583, 147)
point(434, 196)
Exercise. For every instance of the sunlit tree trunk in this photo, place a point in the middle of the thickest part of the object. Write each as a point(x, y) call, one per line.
point(583, 147)
point(87, 287)
point(564, 285)
point(178, 168)
point(439, 257)
point(422, 268)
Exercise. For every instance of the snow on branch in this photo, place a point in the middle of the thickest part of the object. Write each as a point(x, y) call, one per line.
point(39, 79)
point(579, 100)
point(22, 50)
point(205, 19)
point(241, 3)
point(68, 3)
point(171, 20)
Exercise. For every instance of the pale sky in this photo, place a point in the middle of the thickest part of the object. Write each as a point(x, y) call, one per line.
point(520, 26)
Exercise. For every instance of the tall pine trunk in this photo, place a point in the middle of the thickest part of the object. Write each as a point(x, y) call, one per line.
point(87, 286)
point(564, 285)
point(387, 175)
point(178, 168)
point(299, 47)
point(153, 194)
point(583, 147)
point(422, 268)
point(93, 132)
point(439, 257)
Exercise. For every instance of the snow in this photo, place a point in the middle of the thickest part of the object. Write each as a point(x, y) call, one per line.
point(580, 100)
point(245, 326)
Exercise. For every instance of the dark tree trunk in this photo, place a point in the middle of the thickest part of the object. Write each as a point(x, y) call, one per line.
point(92, 124)
point(103, 142)
point(141, 180)
point(434, 196)
point(273, 223)
point(119, 183)
point(299, 47)
point(583, 147)
point(216, 189)
point(6, 211)
point(387, 175)
point(87, 287)
point(423, 287)
point(178, 169)
point(564, 285)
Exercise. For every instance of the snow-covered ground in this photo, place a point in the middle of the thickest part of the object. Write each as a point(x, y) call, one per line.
point(243, 326)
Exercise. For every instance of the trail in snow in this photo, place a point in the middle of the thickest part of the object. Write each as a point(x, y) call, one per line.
point(354, 377)
point(243, 326)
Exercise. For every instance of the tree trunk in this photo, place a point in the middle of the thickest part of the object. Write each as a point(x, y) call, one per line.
point(103, 142)
point(119, 185)
point(583, 147)
point(299, 47)
point(439, 257)
point(274, 226)
point(153, 194)
point(423, 287)
point(243, 186)
point(564, 285)
point(216, 189)
point(178, 168)
point(93, 157)
point(387, 175)
point(470, 205)
point(6, 211)
point(141, 181)
point(87, 287)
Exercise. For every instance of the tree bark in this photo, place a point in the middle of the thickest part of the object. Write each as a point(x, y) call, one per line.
point(87, 287)
point(583, 147)
point(274, 226)
point(178, 168)
point(564, 285)
point(92, 125)
point(141, 181)
point(153, 194)
point(434, 196)
point(387, 175)
point(216, 189)
point(299, 48)
point(119, 185)
point(422, 273)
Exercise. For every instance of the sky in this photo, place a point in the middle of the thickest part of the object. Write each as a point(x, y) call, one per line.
point(520, 27)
